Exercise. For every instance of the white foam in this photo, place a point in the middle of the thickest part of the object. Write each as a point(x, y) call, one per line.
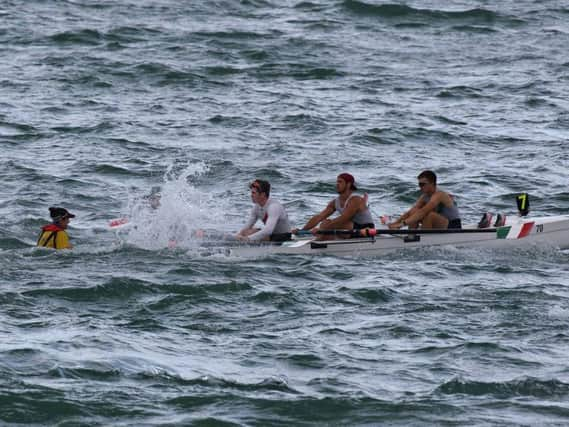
point(182, 210)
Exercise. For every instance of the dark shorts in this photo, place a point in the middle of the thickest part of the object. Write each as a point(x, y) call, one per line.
point(362, 226)
point(281, 237)
point(455, 223)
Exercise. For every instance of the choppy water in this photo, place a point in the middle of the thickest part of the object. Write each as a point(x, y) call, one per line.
point(102, 100)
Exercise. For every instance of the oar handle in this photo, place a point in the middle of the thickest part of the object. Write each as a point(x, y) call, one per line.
point(371, 232)
point(366, 232)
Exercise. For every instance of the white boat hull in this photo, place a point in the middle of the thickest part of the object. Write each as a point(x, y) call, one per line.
point(545, 231)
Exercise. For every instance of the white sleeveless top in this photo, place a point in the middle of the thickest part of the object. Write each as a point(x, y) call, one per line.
point(361, 218)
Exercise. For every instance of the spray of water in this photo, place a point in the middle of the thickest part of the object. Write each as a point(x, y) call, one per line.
point(173, 214)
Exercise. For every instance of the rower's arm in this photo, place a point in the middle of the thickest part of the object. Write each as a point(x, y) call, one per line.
point(273, 214)
point(251, 221)
point(318, 218)
point(418, 205)
point(422, 212)
point(399, 223)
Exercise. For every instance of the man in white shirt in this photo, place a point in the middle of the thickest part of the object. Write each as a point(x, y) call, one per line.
point(276, 226)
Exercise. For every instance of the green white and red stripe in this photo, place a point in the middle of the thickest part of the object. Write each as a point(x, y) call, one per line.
point(515, 231)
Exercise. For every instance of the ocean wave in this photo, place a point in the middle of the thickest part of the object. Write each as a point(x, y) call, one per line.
point(232, 35)
point(280, 300)
point(311, 6)
point(29, 403)
point(303, 360)
point(99, 127)
point(128, 287)
point(393, 10)
point(529, 386)
point(123, 36)
point(218, 70)
point(469, 347)
point(461, 92)
point(230, 121)
point(24, 353)
point(86, 36)
point(412, 25)
point(94, 372)
point(8, 128)
point(87, 80)
point(7, 243)
point(127, 34)
point(297, 71)
point(115, 170)
point(475, 29)
point(338, 331)
point(279, 384)
point(23, 172)
point(377, 136)
point(256, 54)
point(162, 75)
point(354, 409)
point(537, 102)
point(116, 288)
point(372, 296)
point(130, 145)
point(34, 404)
point(19, 134)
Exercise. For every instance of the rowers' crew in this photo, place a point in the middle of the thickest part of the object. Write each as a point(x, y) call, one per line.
point(435, 209)
point(353, 209)
point(270, 212)
point(54, 235)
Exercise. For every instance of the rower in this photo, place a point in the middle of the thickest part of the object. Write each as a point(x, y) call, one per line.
point(154, 198)
point(54, 235)
point(435, 209)
point(353, 210)
point(270, 211)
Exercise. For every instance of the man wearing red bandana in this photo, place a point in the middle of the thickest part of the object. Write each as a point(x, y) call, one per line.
point(352, 209)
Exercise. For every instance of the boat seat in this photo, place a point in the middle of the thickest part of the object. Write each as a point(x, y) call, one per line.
point(486, 220)
point(500, 220)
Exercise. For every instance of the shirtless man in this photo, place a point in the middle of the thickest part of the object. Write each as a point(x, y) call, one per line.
point(273, 215)
point(433, 209)
point(353, 210)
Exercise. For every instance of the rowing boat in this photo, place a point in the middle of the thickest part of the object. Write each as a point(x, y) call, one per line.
point(518, 232)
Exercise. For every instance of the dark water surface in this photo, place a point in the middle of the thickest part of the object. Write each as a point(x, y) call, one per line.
point(100, 101)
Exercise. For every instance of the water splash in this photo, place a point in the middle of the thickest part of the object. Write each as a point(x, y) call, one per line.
point(172, 214)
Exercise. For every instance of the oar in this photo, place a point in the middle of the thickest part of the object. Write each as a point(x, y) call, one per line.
point(517, 231)
point(503, 232)
point(117, 222)
point(366, 232)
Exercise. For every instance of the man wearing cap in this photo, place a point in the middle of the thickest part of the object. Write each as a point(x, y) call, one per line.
point(54, 235)
point(353, 210)
point(273, 215)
